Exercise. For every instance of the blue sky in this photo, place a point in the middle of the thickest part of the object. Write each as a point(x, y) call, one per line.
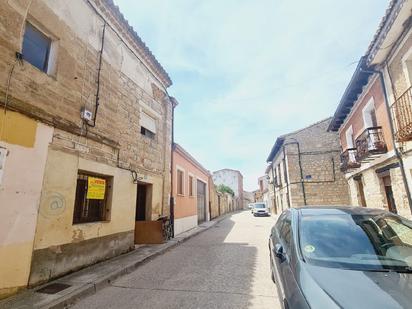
point(245, 72)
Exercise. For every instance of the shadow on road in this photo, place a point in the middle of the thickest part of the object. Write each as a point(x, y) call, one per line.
point(224, 267)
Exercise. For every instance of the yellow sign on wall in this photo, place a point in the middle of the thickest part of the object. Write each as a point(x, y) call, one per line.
point(96, 188)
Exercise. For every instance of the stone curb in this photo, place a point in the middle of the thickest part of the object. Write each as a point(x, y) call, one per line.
point(91, 288)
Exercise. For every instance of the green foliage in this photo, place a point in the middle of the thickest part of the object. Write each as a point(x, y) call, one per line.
point(225, 189)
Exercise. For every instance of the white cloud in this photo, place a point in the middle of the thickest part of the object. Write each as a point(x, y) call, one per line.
point(247, 71)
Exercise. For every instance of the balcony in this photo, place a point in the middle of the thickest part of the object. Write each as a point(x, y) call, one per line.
point(348, 160)
point(402, 114)
point(369, 144)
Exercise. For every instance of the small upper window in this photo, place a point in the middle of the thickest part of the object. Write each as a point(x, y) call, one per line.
point(36, 47)
point(147, 132)
point(147, 125)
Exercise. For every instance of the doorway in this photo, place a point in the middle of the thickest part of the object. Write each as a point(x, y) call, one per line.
point(361, 191)
point(201, 201)
point(389, 194)
point(141, 202)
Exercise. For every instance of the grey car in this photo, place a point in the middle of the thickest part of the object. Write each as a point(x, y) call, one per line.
point(342, 257)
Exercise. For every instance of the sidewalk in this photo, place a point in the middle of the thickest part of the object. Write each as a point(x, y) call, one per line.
point(94, 278)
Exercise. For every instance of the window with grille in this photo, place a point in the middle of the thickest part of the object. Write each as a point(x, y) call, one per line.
point(180, 176)
point(92, 194)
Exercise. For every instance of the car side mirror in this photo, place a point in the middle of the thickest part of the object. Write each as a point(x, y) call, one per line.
point(279, 252)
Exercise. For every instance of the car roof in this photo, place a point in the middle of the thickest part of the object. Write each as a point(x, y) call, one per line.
point(334, 210)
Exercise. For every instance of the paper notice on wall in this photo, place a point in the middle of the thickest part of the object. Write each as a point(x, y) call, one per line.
point(96, 188)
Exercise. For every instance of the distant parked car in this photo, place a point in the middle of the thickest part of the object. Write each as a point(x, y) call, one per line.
point(260, 209)
point(342, 257)
point(250, 206)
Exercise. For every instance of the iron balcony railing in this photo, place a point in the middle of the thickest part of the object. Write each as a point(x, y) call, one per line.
point(402, 116)
point(370, 143)
point(348, 160)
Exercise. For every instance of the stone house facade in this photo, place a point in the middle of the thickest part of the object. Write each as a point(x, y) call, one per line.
point(85, 138)
point(390, 55)
point(220, 203)
point(234, 180)
point(304, 169)
point(263, 184)
point(376, 153)
point(191, 191)
point(368, 157)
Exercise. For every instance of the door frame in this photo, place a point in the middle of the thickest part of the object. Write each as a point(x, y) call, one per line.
point(206, 213)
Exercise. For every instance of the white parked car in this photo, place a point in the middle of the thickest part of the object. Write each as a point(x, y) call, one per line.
point(260, 209)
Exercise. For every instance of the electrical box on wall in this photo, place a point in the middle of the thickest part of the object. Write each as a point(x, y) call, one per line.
point(86, 114)
point(3, 155)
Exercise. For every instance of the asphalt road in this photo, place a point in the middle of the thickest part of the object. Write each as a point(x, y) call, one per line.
point(226, 266)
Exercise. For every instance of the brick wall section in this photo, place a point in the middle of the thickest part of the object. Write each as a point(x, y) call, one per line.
point(323, 181)
point(57, 100)
point(355, 119)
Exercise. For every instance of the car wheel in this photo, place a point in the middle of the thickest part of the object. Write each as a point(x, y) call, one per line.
point(254, 215)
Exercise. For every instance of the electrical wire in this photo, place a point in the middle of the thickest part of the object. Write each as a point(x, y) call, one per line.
point(6, 99)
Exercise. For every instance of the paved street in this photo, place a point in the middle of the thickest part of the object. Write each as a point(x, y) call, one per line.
point(225, 267)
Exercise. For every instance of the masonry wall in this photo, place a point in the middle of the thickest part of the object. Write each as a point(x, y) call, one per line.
point(374, 190)
point(186, 205)
point(113, 147)
point(58, 241)
point(323, 182)
point(398, 82)
point(215, 201)
point(25, 141)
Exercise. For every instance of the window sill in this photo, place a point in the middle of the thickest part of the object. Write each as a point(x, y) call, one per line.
point(51, 75)
point(91, 222)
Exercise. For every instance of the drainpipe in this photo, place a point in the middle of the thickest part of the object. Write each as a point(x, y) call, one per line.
point(274, 188)
point(172, 199)
point(300, 168)
point(397, 152)
point(287, 180)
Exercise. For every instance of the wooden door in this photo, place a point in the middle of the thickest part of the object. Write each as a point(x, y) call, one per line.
point(201, 201)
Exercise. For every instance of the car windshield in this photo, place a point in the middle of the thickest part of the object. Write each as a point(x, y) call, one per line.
point(361, 242)
point(259, 205)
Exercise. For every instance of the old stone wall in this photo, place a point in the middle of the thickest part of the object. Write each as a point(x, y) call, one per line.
point(374, 190)
point(59, 97)
point(215, 208)
point(317, 166)
point(111, 145)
